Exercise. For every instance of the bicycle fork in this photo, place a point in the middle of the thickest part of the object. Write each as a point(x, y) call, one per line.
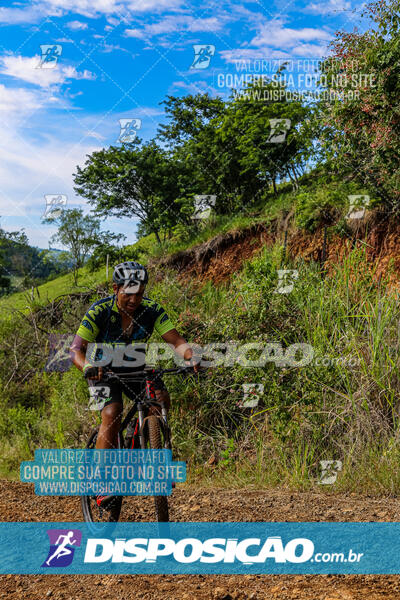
point(141, 423)
point(163, 424)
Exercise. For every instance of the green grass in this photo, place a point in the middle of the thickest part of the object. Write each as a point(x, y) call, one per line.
point(342, 406)
point(331, 410)
point(48, 291)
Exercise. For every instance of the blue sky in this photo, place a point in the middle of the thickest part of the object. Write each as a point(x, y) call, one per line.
point(119, 59)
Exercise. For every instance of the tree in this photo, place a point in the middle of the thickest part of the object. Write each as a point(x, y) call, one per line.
point(194, 135)
point(362, 133)
point(226, 144)
point(80, 234)
point(145, 182)
point(17, 258)
point(5, 284)
point(115, 256)
point(51, 264)
point(270, 134)
point(189, 117)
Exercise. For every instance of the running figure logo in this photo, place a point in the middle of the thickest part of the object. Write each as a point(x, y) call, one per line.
point(59, 359)
point(50, 55)
point(202, 55)
point(128, 130)
point(279, 129)
point(61, 553)
point(54, 205)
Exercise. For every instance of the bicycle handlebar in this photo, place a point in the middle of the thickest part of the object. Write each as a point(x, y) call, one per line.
point(109, 375)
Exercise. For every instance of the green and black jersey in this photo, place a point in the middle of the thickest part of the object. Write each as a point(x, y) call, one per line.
point(102, 324)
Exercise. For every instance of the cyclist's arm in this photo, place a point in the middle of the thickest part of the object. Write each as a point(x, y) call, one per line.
point(164, 327)
point(87, 332)
point(78, 354)
point(180, 344)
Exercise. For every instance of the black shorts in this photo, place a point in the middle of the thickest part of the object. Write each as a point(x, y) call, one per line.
point(103, 393)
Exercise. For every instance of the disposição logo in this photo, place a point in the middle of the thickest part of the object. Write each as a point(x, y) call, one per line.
point(62, 547)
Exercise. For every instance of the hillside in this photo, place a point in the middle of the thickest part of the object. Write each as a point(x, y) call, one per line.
point(220, 286)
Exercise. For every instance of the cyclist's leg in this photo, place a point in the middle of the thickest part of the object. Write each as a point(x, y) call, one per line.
point(162, 395)
point(110, 424)
point(107, 399)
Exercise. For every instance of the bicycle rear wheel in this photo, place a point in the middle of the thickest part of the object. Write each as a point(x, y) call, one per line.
point(153, 437)
point(92, 513)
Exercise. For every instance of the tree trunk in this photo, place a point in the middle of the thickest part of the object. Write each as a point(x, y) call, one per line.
point(289, 175)
point(274, 184)
point(296, 181)
point(157, 236)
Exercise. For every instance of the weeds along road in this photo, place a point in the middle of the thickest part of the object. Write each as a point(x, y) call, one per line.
point(19, 503)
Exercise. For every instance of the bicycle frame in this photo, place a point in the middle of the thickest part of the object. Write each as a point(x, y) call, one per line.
point(144, 403)
point(140, 407)
point(148, 435)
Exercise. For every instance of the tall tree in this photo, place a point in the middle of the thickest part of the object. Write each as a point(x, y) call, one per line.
point(267, 132)
point(145, 181)
point(81, 234)
point(362, 127)
point(194, 135)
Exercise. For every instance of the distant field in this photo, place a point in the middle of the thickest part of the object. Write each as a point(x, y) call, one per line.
point(50, 290)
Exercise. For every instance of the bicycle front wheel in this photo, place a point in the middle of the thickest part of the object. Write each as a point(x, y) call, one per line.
point(91, 512)
point(154, 441)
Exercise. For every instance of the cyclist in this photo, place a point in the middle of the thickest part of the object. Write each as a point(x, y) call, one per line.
point(119, 326)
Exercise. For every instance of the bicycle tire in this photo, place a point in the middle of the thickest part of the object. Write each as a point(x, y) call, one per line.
point(86, 501)
point(153, 435)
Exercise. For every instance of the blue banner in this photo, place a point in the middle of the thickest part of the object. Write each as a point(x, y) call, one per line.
point(70, 472)
point(200, 548)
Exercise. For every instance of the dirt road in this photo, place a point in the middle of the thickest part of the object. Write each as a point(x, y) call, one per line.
point(19, 503)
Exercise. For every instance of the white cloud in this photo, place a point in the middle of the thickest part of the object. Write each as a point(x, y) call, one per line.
point(72, 73)
point(95, 135)
point(135, 33)
point(199, 87)
point(274, 41)
point(27, 69)
point(152, 5)
point(39, 151)
point(275, 34)
point(37, 168)
point(15, 16)
point(310, 50)
point(106, 48)
point(332, 6)
point(113, 22)
point(31, 167)
point(77, 25)
point(88, 8)
point(16, 100)
point(38, 236)
point(172, 24)
point(39, 9)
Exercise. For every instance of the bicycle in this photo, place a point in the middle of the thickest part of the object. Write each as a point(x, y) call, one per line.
point(141, 432)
